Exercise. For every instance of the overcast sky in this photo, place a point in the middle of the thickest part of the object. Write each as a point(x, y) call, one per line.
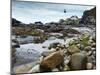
point(30, 12)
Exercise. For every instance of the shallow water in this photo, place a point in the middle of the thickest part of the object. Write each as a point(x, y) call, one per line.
point(31, 51)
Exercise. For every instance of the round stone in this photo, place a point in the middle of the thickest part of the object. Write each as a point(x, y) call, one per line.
point(89, 66)
point(55, 70)
point(87, 48)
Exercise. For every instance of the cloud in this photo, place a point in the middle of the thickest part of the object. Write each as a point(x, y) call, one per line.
point(32, 11)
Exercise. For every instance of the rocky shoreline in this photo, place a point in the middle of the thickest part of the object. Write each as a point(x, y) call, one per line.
point(79, 54)
point(67, 45)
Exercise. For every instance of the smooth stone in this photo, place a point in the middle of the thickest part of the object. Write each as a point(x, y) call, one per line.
point(51, 61)
point(90, 41)
point(66, 68)
point(87, 48)
point(60, 45)
point(35, 69)
point(66, 60)
point(78, 61)
point(55, 70)
point(89, 53)
point(73, 49)
point(89, 59)
point(93, 45)
point(93, 49)
point(89, 66)
point(80, 46)
point(84, 52)
point(40, 59)
point(94, 53)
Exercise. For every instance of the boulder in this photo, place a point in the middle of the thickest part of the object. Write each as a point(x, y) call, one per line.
point(73, 49)
point(87, 48)
point(53, 60)
point(78, 61)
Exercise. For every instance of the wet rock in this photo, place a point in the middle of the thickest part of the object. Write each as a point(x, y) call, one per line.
point(89, 66)
point(51, 61)
point(66, 68)
point(65, 51)
point(73, 49)
point(78, 61)
point(54, 45)
point(93, 44)
point(78, 45)
point(81, 47)
point(94, 53)
point(35, 69)
point(89, 59)
point(61, 46)
point(89, 53)
point(66, 59)
point(90, 41)
point(87, 48)
point(43, 46)
point(84, 52)
point(94, 38)
point(93, 49)
point(46, 53)
point(40, 59)
point(55, 70)
point(15, 43)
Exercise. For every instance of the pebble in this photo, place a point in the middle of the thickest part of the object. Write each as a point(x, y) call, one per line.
point(93, 49)
point(89, 53)
point(87, 48)
point(66, 68)
point(93, 45)
point(89, 66)
point(35, 69)
point(55, 70)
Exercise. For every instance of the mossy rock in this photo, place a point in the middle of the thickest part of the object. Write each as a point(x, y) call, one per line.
point(72, 42)
point(73, 31)
point(84, 40)
point(36, 32)
point(73, 49)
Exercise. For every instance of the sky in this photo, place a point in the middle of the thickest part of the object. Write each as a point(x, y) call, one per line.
point(30, 12)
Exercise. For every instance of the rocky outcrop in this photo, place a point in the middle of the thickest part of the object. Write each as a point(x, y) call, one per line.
point(16, 22)
point(89, 16)
point(73, 20)
point(38, 23)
